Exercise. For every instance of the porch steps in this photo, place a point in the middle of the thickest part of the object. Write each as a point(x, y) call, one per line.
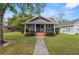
point(40, 34)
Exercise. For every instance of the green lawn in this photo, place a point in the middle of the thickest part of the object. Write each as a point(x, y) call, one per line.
point(22, 45)
point(62, 44)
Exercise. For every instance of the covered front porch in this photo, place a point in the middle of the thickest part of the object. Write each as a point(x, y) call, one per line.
point(40, 24)
point(35, 28)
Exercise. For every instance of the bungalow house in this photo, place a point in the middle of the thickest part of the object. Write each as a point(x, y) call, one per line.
point(70, 27)
point(39, 24)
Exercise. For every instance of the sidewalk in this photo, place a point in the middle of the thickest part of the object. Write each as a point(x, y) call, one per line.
point(40, 48)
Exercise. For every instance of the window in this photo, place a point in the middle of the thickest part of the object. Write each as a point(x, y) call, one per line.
point(77, 25)
point(68, 29)
point(49, 27)
point(78, 29)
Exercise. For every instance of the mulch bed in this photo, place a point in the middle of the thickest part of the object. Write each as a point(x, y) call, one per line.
point(40, 34)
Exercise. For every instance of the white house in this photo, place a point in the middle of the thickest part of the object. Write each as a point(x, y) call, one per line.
point(70, 27)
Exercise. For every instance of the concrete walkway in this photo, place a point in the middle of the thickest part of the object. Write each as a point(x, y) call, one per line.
point(40, 48)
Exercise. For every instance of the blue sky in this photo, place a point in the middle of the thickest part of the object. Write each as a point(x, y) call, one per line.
point(70, 10)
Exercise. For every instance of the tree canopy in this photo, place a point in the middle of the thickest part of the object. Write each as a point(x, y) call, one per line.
point(27, 11)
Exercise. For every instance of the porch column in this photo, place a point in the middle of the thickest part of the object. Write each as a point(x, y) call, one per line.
point(54, 28)
point(45, 28)
point(35, 27)
point(24, 28)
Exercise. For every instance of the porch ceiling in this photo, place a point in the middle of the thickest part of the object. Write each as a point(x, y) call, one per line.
point(40, 22)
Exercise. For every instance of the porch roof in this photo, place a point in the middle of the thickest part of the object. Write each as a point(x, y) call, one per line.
point(40, 20)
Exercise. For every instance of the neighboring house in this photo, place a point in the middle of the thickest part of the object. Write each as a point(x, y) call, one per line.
point(70, 27)
point(6, 27)
point(40, 24)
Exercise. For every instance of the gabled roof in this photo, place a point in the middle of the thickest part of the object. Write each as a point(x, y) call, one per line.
point(40, 20)
point(69, 23)
point(74, 21)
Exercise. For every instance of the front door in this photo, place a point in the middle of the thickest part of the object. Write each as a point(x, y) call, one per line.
point(39, 28)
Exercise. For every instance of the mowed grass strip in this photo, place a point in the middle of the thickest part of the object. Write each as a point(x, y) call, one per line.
point(63, 44)
point(22, 45)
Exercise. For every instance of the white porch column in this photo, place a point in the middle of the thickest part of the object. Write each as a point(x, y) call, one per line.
point(24, 28)
point(35, 27)
point(54, 28)
point(45, 28)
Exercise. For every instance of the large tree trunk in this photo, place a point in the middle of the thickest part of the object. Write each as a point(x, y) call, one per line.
point(1, 23)
point(1, 30)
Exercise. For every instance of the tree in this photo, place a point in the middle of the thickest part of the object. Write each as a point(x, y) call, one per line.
point(60, 15)
point(27, 11)
point(39, 8)
point(34, 9)
point(3, 8)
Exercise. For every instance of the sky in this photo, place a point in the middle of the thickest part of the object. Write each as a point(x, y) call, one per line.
point(70, 11)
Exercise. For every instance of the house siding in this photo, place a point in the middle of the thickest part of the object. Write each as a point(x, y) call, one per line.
point(76, 30)
point(67, 29)
point(70, 29)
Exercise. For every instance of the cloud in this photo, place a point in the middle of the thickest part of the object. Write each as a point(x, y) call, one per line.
point(50, 12)
point(71, 5)
point(69, 12)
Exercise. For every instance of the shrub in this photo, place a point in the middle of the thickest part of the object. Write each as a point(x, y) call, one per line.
point(76, 33)
point(31, 33)
point(50, 34)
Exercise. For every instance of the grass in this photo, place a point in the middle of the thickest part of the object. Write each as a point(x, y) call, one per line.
point(62, 44)
point(22, 45)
